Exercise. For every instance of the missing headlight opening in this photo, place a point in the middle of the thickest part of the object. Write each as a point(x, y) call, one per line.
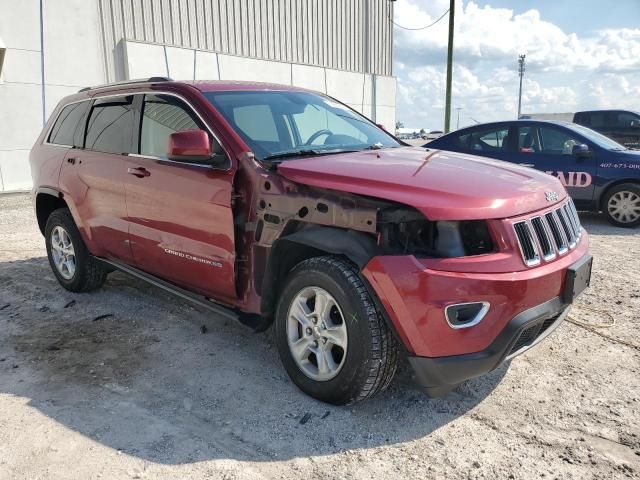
point(406, 231)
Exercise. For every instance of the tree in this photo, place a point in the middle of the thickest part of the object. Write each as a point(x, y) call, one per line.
point(422, 131)
point(399, 125)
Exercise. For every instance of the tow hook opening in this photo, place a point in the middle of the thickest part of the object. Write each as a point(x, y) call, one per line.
point(465, 315)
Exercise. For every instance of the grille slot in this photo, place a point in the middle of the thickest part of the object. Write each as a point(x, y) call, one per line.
point(572, 221)
point(561, 243)
point(566, 227)
point(576, 218)
point(542, 235)
point(527, 244)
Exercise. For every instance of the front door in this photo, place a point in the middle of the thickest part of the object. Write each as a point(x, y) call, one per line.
point(550, 149)
point(181, 223)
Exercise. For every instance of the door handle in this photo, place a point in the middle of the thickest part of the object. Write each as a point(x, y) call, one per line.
point(139, 172)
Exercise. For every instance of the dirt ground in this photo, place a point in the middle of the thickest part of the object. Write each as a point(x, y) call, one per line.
point(121, 383)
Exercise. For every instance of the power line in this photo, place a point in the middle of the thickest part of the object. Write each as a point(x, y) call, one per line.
point(420, 28)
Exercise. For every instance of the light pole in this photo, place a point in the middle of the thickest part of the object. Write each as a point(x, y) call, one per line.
point(458, 121)
point(521, 73)
point(447, 104)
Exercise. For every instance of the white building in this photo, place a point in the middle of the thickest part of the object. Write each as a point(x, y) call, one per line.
point(52, 48)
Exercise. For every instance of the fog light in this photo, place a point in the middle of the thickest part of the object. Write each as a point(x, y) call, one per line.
point(465, 315)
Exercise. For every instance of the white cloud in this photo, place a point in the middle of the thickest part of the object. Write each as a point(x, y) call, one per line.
point(565, 72)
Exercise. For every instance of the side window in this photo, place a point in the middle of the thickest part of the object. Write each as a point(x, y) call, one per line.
point(596, 120)
point(556, 142)
point(111, 125)
point(623, 119)
point(528, 141)
point(495, 140)
point(163, 115)
point(69, 126)
point(462, 141)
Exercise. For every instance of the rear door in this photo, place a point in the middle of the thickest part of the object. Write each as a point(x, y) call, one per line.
point(93, 176)
point(492, 142)
point(181, 222)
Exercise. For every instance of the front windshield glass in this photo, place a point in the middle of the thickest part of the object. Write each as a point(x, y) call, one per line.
point(277, 123)
point(597, 138)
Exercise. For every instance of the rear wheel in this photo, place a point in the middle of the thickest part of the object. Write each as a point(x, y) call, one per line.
point(622, 205)
point(71, 262)
point(332, 341)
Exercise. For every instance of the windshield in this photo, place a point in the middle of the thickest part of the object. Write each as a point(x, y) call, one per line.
point(281, 124)
point(597, 138)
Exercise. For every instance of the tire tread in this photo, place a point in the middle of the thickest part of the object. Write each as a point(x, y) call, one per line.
point(384, 348)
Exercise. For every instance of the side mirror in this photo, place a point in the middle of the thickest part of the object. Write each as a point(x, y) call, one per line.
point(191, 146)
point(581, 151)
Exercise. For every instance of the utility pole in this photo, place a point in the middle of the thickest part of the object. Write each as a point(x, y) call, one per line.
point(521, 73)
point(447, 105)
point(458, 122)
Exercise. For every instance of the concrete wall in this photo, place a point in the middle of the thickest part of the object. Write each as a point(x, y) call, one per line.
point(72, 58)
point(355, 89)
point(77, 53)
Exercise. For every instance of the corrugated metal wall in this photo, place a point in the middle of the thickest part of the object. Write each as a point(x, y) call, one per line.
point(329, 33)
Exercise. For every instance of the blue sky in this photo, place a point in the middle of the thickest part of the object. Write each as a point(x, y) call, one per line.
point(580, 54)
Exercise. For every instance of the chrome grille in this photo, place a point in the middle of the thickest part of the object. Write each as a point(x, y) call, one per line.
point(549, 235)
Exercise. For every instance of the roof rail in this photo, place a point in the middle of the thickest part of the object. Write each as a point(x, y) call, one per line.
point(128, 82)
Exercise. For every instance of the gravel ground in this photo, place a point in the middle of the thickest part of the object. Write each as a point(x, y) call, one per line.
point(121, 383)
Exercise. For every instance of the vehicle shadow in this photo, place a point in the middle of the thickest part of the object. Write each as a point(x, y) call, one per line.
point(129, 366)
point(597, 224)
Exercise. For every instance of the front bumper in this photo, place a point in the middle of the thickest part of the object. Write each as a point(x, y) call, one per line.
point(525, 306)
point(439, 374)
point(414, 297)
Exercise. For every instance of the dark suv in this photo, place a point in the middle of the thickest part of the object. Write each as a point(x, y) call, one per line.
point(623, 126)
point(268, 203)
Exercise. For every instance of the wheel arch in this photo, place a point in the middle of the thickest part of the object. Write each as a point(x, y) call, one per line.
point(314, 241)
point(47, 200)
point(611, 185)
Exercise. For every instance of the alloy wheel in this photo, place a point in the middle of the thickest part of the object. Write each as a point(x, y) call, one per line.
point(64, 257)
point(317, 334)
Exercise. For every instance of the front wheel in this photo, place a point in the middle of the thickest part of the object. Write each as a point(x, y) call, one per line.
point(332, 341)
point(622, 205)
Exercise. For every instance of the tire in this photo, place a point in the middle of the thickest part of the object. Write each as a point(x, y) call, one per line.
point(80, 272)
point(368, 361)
point(621, 205)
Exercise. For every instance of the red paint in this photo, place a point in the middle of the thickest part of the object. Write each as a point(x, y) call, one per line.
point(444, 186)
point(189, 143)
point(415, 295)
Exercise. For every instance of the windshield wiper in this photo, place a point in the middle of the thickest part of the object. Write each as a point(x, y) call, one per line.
point(301, 153)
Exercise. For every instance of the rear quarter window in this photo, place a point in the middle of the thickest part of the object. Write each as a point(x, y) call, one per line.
point(68, 128)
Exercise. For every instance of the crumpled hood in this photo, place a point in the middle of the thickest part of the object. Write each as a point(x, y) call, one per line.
point(442, 185)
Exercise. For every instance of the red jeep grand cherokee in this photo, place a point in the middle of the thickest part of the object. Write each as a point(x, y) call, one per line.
point(269, 203)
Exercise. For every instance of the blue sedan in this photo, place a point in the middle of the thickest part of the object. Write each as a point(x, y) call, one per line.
point(599, 174)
